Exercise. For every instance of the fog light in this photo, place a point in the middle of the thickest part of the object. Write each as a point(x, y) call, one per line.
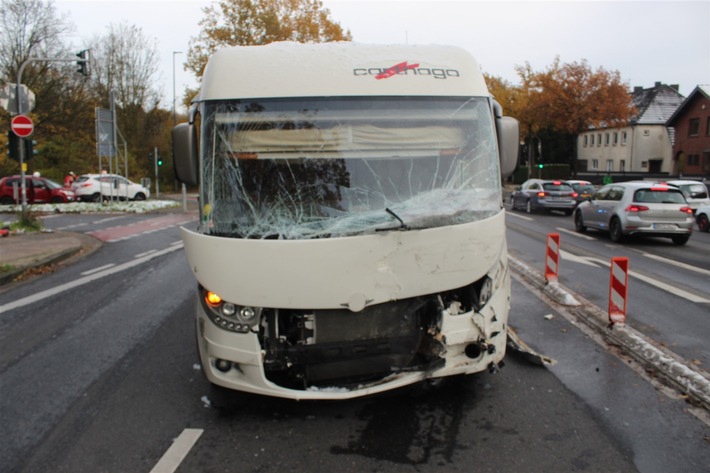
point(223, 365)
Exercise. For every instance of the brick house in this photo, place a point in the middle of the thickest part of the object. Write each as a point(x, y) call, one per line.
point(644, 146)
point(691, 121)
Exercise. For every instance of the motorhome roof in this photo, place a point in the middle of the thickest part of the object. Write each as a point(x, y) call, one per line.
point(290, 69)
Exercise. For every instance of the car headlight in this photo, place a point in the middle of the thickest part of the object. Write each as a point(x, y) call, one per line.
point(227, 315)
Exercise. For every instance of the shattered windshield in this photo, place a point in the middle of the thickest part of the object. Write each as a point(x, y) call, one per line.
point(333, 167)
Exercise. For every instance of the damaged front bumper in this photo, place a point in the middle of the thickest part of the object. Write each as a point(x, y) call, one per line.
point(338, 354)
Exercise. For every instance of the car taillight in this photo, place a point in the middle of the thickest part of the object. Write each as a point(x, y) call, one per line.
point(85, 184)
point(542, 194)
point(636, 208)
point(575, 195)
point(686, 210)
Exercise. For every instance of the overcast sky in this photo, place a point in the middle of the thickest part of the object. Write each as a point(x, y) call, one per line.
point(646, 41)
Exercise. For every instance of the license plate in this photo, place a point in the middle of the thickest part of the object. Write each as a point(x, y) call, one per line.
point(664, 226)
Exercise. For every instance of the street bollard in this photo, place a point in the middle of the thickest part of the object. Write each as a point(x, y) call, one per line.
point(552, 257)
point(618, 286)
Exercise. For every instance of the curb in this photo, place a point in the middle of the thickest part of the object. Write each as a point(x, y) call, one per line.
point(8, 277)
point(667, 365)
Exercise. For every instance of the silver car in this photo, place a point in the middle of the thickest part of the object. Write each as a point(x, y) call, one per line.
point(535, 194)
point(637, 208)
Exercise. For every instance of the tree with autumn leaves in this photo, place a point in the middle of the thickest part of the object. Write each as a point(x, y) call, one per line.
point(563, 101)
point(257, 22)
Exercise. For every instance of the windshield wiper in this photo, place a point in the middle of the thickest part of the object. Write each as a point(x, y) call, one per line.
point(402, 225)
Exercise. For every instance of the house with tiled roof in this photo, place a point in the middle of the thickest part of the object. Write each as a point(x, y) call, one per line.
point(643, 146)
point(691, 146)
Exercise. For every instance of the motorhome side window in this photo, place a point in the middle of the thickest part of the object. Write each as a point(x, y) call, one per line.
point(321, 168)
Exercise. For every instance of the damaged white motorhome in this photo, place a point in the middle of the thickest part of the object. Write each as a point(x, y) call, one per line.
point(351, 236)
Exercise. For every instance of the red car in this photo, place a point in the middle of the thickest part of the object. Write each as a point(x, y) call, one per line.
point(40, 190)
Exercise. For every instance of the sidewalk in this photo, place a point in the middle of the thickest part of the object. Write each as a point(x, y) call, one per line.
point(20, 253)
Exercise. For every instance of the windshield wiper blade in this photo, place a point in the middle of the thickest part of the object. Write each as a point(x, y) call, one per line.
point(402, 225)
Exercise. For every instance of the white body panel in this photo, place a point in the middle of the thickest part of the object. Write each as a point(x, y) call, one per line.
point(339, 69)
point(344, 272)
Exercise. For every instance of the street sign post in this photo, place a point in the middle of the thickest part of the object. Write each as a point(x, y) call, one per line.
point(22, 126)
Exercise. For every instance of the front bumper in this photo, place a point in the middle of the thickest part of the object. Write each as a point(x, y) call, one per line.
point(467, 343)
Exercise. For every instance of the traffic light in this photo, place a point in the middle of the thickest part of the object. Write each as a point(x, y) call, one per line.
point(83, 64)
point(150, 157)
point(160, 161)
point(541, 165)
point(13, 142)
point(29, 148)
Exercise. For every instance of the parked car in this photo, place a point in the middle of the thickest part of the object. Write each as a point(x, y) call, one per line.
point(702, 218)
point(536, 194)
point(97, 187)
point(637, 208)
point(695, 192)
point(39, 190)
point(584, 189)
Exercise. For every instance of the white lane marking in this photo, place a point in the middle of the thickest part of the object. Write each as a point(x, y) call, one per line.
point(85, 280)
point(577, 259)
point(96, 270)
point(177, 452)
point(653, 282)
point(669, 288)
point(518, 216)
point(140, 255)
point(574, 233)
point(677, 263)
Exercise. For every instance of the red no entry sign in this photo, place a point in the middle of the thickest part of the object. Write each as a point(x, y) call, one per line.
point(22, 126)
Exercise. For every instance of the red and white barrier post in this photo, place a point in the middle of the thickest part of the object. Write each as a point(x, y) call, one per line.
point(552, 257)
point(618, 286)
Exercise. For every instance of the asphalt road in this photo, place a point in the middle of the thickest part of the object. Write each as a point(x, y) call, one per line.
point(103, 377)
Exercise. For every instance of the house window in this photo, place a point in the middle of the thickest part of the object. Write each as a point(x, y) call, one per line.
point(599, 138)
point(693, 160)
point(623, 138)
point(693, 127)
point(591, 139)
point(586, 139)
point(707, 127)
point(606, 138)
point(595, 164)
point(622, 165)
point(609, 165)
point(616, 138)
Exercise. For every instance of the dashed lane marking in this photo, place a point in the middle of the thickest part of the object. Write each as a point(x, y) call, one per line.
point(177, 452)
point(85, 280)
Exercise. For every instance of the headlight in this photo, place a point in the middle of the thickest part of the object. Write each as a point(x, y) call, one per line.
point(227, 315)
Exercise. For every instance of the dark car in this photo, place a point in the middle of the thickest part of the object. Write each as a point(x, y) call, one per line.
point(585, 190)
point(540, 194)
point(40, 190)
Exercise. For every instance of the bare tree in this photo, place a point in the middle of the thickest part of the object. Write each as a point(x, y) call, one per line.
point(127, 62)
point(29, 28)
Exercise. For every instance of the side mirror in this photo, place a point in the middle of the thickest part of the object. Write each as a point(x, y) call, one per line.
point(185, 159)
point(508, 131)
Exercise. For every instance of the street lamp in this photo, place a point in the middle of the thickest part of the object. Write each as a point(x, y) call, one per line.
point(174, 116)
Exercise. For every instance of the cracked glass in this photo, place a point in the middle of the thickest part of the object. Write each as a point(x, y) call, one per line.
point(334, 167)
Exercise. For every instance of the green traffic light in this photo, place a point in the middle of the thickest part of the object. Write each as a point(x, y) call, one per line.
point(160, 162)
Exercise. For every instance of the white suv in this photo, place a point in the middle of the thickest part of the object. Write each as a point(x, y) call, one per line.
point(95, 187)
